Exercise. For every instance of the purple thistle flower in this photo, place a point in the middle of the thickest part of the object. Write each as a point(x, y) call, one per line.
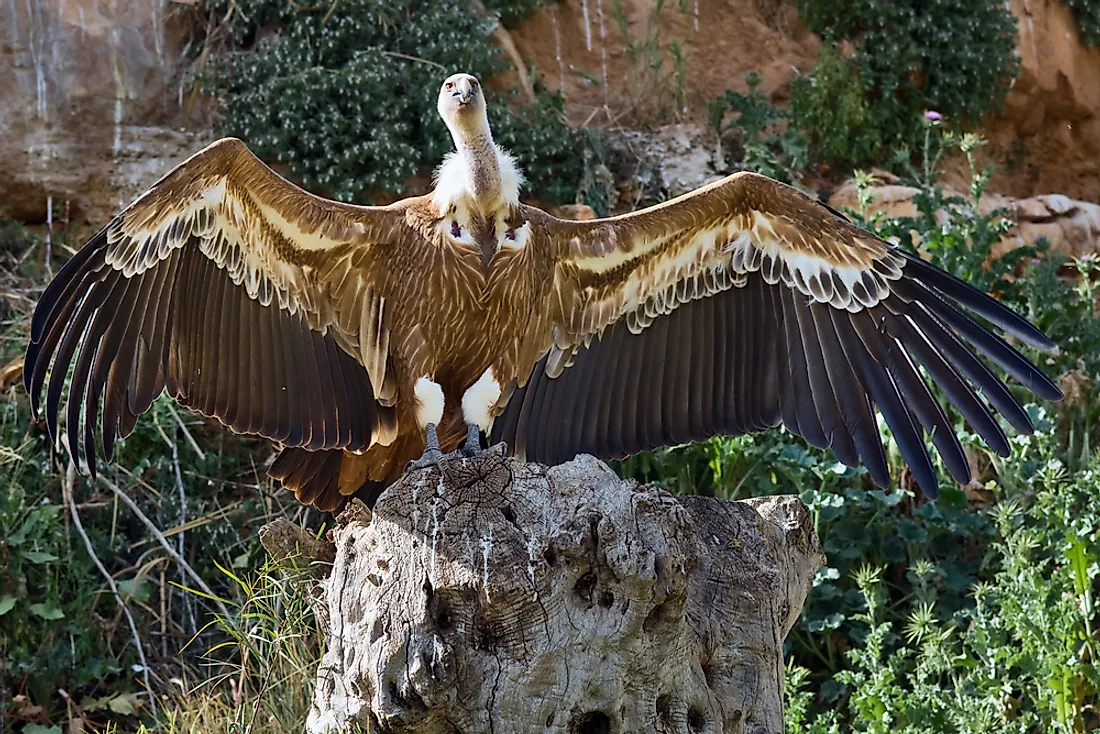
point(932, 115)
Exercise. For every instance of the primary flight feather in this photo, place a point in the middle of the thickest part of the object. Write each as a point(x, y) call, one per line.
point(360, 338)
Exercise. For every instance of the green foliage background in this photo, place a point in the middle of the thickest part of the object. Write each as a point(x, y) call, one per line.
point(953, 56)
point(975, 613)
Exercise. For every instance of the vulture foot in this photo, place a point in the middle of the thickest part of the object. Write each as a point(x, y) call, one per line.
point(433, 455)
point(471, 449)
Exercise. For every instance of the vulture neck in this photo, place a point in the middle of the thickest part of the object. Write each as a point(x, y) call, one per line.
point(479, 177)
point(479, 158)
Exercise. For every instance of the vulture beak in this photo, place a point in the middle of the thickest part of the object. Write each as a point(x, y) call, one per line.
point(464, 92)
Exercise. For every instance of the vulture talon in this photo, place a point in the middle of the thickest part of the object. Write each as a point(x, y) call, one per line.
point(430, 458)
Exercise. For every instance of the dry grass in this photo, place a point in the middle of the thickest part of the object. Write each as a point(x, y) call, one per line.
point(267, 683)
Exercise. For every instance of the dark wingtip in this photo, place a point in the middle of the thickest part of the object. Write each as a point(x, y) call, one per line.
point(980, 302)
point(931, 491)
point(1046, 389)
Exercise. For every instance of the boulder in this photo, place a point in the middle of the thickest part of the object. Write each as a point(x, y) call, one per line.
point(1072, 227)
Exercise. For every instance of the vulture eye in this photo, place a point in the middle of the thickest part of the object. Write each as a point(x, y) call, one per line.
point(450, 86)
point(473, 84)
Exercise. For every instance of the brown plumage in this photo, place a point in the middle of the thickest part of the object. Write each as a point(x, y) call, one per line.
point(342, 332)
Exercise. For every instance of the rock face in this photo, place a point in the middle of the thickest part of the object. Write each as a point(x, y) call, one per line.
point(1048, 138)
point(91, 90)
point(615, 58)
point(508, 597)
point(1072, 227)
point(85, 89)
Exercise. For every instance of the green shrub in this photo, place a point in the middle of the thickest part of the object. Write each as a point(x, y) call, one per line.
point(767, 143)
point(1087, 15)
point(832, 107)
point(954, 56)
point(1018, 657)
point(344, 93)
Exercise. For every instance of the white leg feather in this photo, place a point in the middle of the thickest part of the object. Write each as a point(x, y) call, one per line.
point(429, 399)
point(479, 399)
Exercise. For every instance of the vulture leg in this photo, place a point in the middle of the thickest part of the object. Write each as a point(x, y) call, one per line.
point(472, 448)
point(432, 455)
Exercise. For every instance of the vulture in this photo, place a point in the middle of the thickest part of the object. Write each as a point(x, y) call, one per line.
point(365, 339)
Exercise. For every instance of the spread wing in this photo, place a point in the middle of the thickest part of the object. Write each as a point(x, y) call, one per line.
point(746, 304)
point(249, 299)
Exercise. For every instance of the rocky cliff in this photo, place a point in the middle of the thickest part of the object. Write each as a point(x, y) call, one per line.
point(89, 90)
point(92, 92)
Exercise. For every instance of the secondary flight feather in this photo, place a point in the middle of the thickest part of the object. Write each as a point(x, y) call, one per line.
point(361, 338)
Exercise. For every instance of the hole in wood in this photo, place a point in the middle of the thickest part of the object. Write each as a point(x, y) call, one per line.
point(408, 699)
point(697, 720)
point(550, 555)
point(584, 587)
point(485, 638)
point(606, 599)
point(659, 615)
point(509, 515)
point(591, 722)
point(441, 613)
point(664, 708)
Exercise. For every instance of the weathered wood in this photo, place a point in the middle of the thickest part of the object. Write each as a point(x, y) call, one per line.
point(506, 597)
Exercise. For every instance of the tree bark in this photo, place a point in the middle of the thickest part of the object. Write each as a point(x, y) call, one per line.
point(498, 596)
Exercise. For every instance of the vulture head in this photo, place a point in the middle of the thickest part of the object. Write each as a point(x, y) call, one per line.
point(461, 102)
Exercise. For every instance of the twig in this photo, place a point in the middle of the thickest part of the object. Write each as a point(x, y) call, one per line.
point(218, 514)
point(165, 544)
point(324, 21)
point(70, 477)
point(407, 57)
point(186, 433)
point(187, 600)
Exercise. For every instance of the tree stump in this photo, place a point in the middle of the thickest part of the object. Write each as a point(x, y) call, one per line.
point(497, 596)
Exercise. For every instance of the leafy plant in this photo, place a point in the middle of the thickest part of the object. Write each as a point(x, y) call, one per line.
point(884, 61)
point(1087, 15)
point(657, 78)
point(832, 107)
point(1018, 657)
point(767, 144)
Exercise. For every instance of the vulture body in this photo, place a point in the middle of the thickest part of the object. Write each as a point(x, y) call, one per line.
point(360, 338)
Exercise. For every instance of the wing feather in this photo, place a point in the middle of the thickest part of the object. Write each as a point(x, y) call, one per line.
point(882, 390)
point(596, 430)
point(243, 296)
point(746, 304)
